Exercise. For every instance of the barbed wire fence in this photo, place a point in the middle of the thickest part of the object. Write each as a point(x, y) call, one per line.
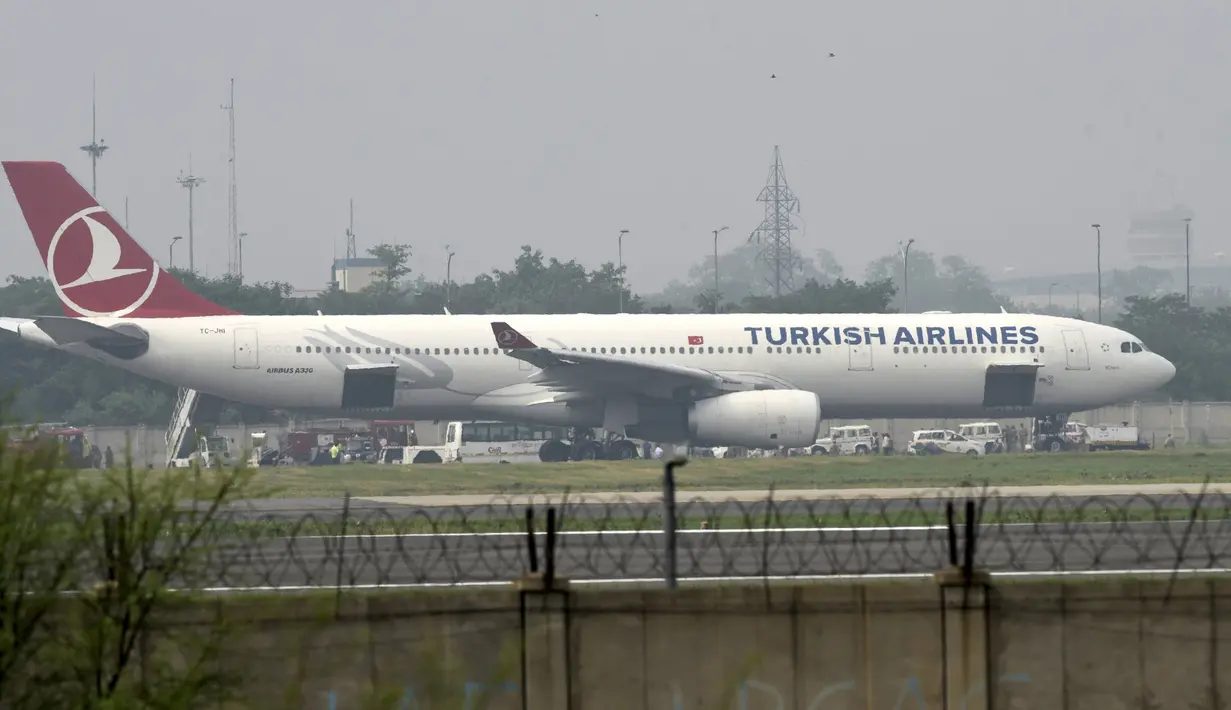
point(680, 539)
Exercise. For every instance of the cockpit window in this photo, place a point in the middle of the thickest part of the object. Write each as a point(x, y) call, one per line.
point(1126, 347)
point(1132, 347)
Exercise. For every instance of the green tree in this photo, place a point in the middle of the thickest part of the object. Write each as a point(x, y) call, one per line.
point(393, 258)
point(842, 296)
point(118, 541)
point(953, 284)
point(1196, 340)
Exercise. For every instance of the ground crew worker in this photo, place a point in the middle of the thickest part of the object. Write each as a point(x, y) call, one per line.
point(334, 452)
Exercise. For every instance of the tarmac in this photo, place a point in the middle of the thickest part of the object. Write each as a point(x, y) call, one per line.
point(757, 550)
point(635, 504)
point(468, 559)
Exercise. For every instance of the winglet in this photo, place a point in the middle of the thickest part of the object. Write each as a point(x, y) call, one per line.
point(509, 339)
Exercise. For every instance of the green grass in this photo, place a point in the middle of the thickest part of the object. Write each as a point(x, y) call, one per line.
point(808, 472)
point(449, 521)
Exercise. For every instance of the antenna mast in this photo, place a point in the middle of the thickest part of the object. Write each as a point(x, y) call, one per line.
point(190, 181)
point(97, 147)
point(774, 232)
point(352, 251)
point(235, 254)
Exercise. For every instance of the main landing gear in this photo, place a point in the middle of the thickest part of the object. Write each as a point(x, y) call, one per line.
point(585, 446)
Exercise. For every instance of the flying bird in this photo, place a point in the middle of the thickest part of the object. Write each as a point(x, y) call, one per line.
point(831, 54)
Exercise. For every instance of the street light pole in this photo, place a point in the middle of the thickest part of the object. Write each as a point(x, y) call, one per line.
point(1049, 289)
point(448, 276)
point(620, 253)
point(171, 252)
point(1188, 289)
point(906, 274)
point(716, 233)
point(240, 256)
point(1098, 230)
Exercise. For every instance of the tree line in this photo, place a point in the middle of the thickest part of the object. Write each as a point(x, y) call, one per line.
point(51, 386)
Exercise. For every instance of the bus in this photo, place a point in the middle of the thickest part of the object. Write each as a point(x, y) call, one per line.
point(502, 440)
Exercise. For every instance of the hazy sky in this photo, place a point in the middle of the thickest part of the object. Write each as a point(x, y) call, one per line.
point(992, 129)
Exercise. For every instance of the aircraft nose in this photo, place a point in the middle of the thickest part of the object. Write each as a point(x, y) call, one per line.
point(1166, 370)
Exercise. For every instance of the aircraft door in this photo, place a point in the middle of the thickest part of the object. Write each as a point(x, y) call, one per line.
point(860, 357)
point(1075, 350)
point(247, 355)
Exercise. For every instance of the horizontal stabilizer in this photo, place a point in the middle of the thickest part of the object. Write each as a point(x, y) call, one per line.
point(13, 325)
point(65, 331)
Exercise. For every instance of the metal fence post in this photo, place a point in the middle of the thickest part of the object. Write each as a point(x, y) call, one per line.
point(669, 567)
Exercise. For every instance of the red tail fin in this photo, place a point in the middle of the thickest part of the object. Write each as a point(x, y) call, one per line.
point(96, 268)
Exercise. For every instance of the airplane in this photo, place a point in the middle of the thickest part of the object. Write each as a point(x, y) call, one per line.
point(754, 380)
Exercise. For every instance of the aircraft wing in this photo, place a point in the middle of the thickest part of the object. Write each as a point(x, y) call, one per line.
point(580, 373)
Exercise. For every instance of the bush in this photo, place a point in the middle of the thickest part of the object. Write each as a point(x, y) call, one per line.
point(90, 563)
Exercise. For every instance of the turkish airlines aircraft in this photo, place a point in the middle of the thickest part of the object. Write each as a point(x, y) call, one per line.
point(755, 380)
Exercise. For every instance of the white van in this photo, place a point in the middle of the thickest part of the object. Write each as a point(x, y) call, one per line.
point(988, 434)
point(844, 441)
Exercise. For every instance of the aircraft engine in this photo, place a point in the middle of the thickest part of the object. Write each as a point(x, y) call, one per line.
point(763, 419)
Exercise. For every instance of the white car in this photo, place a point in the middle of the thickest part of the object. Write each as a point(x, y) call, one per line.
point(988, 434)
point(945, 441)
point(845, 441)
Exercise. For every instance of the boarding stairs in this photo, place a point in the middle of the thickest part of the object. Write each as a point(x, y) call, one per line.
point(181, 422)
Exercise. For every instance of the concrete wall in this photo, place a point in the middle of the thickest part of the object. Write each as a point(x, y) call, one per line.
point(1195, 422)
point(1097, 645)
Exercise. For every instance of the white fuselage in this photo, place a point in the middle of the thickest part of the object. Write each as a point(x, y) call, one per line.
point(450, 367)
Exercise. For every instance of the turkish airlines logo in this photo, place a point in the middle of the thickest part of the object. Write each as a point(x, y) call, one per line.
point(507, 337)
point(68, 268)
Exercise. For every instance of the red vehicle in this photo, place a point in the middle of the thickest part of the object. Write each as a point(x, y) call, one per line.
point(305, 446)
point(71, 441)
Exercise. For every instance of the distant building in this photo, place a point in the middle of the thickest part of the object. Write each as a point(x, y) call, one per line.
point(1157, 238)
point(352, 275)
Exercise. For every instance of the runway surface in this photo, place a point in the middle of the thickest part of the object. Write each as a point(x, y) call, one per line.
point(582, 556)
point(752, 503)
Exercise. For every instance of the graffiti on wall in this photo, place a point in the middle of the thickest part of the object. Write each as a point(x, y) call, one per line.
point(472, 695)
